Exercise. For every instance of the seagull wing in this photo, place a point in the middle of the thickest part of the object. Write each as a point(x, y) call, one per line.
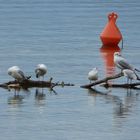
point(125, 65)
point(21, 74)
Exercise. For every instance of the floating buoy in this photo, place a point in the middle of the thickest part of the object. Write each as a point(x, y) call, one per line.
point(111, 34)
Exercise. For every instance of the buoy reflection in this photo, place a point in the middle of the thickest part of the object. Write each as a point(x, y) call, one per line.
point(107, 53)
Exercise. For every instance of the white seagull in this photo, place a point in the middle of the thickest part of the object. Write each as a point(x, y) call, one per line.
point(130, 74)
point(16, 73)
point(40, 70)
point(93, 74)
point(122, 63)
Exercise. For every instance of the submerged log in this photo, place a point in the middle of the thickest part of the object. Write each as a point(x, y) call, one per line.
point(132, 85)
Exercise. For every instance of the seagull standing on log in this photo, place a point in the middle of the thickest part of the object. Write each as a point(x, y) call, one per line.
point(93, 74)
point(130, 75)
point(40, 70)
point(16, 73)
point(122, 63)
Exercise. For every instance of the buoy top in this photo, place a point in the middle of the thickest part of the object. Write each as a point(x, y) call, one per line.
point(112, 16)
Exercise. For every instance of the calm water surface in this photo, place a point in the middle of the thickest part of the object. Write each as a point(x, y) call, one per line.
point(64, 35)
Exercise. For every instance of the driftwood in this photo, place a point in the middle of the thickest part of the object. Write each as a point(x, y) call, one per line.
point(104, 82)
point(31, 83)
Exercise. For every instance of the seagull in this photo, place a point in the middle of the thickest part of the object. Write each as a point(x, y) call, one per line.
point(130, 74)
point(16, 73)
point(122, 63)
point(40, 70)
point(93, 75)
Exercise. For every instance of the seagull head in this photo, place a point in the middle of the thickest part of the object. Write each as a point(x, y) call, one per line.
point(117, 54)
point(95, 69)
point(13, 68)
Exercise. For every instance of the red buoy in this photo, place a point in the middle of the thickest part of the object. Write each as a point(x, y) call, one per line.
point(111, 34)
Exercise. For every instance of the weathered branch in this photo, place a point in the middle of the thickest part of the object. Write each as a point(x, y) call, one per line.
point(105, 80)
point(31, 83)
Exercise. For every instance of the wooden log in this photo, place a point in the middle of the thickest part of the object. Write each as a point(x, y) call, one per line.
point(105, 80)
point(31, 83)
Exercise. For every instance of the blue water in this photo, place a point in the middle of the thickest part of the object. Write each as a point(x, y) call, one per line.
point(64, 35)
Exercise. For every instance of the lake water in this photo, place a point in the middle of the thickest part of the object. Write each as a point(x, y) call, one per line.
point(64, 35)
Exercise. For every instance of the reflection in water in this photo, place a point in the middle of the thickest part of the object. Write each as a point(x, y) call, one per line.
point(122, 107)
point(107, 53)
point(52, 91)
point(129, 101)
point(17, 89)
point(15, 100)
point(107, 96)
point(94, 92)
point(40, 96)
point(14, 88)
point(125, 109)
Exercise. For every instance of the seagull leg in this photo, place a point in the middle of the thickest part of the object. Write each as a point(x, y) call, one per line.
point(130, 81)
point(39, 79)
point(127, 80)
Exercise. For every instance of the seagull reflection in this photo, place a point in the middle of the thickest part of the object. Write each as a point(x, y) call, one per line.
point(17, 88)
point(93, 92)
point(39, 94)
point(122, 107)
point(40, 97)
point(125, 109)
point(15, 100)
point(14, 87)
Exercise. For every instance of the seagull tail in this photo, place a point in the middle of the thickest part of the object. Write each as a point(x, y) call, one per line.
point(138, 78)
